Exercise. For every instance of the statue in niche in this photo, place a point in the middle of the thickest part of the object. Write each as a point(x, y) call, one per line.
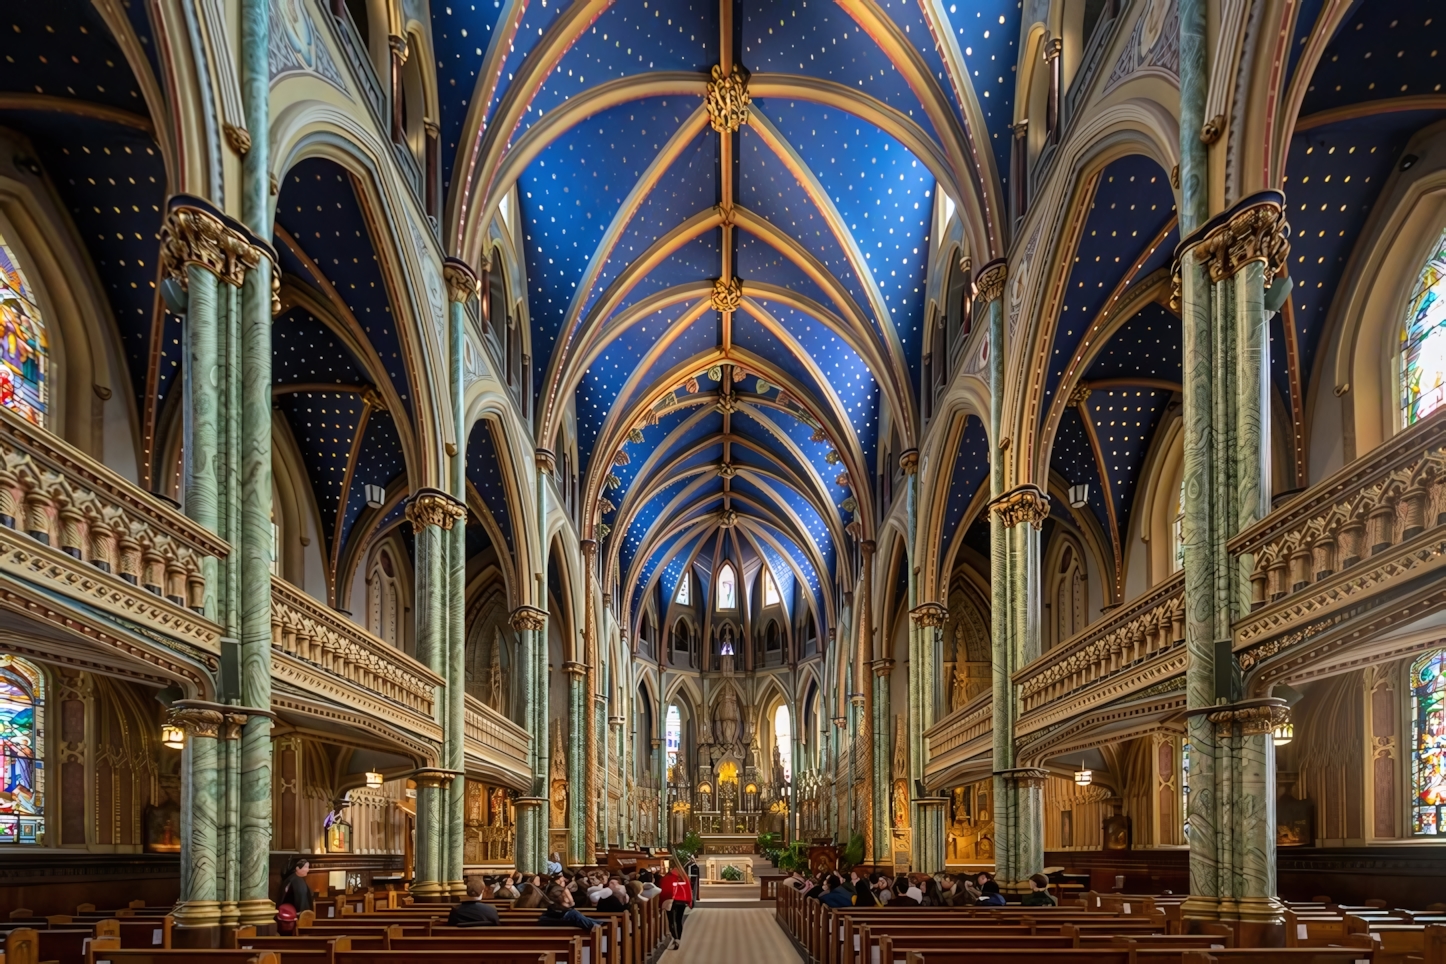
point(494, 674)
point(901, 805)
point(960, 694)
point(779, 779)
point(558, 777)
point(727, 719)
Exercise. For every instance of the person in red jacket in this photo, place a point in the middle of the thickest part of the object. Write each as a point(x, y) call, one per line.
point(677, 898)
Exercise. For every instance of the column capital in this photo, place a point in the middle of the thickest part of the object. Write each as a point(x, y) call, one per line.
point(196, 233)
point(546, 461)
point(991, 280)
point(435, 778)
point(574, 669)
point(529, 618)
point(433, 507)
point(1053, 48)
point(1254, 717)
point(198, 721)
point(882, 667)
point(1025, 776)
point(930, 614)
point(1025, 503)
point(1255, 229)
point(909, 461)
point(867, 547)
point(462, 285)
point(588, 546)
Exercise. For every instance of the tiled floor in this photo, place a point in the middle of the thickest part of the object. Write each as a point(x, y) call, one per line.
point(714, 935)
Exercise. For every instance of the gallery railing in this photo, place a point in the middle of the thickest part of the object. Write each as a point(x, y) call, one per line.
point(1347, 545)
point(496, 739)
point(84, 531)
point(1136, 632)
point(321, 639)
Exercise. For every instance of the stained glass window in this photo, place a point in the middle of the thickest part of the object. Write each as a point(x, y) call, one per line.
point(1428, 733)
point(22, 740)
point(1423, 339)
point(24, 370)
point(727, 588)
point(673, 735)
point(783, 739)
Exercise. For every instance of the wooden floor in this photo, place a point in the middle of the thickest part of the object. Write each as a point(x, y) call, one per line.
point(717, 935)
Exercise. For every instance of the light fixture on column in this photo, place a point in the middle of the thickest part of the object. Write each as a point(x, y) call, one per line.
point(1283, 733)
point(376, 496)
point(1079, 495)
point(173, 736)
point(374, 779)
point(1084, 777)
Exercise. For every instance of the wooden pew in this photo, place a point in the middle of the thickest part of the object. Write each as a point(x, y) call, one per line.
point(126, 955)
point(1135, 955)
point(440, 957)
point(137, 931)
point(65, 946)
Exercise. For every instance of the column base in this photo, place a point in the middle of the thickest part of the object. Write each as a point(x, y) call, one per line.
point(260, 912)
point(456, 889)
point(197, 937)
point(197, 914)
point(230, 913)
point(428, 890)
point(1200, 907)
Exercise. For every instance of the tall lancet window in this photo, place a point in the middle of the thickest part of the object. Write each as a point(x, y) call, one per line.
point(24, 368)
point(1423, 340)
point(727, 587)
point(22, 746)
point(1428, 750)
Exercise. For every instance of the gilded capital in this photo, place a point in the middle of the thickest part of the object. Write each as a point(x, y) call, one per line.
point(929, 614)
point(434, 779)
point(909, 461)
point(1053, 48)
point(1252, 719)
point(1257, 232)
point(727, 294)
point(432, 507)
point(191, 235)
point(882, 667)
point(727, 99)
point(546, 461)
point(461, 280)
point(529, 619)
point(197, 721)
point(1027, 503)
point(991, 280)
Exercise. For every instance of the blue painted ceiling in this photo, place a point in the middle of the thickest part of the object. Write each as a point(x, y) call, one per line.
point(830, 238)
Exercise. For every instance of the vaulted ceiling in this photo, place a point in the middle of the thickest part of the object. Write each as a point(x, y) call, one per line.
point(716, 419)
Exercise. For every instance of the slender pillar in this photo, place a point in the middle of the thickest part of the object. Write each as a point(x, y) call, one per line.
point(433, 514)
point(1225, 269)
point(579, 718)
point(530, 623)
point(199, 908)
point(928, 845)
point(254, 471)
point(921, 663)
point(596, 719)
point(1052, 49)
point(1015, 517)
point(882, 729)
point(1194, 89)
point(462, 286)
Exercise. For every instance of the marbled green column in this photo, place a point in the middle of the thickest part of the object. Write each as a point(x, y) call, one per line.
point(462, 287)
point(199, 905)
point(1224, 269)
point(255, 474)
point(1015, 517)
point(882, 732)
point(201, 418)
point(432, 514)
point(579, 718)
point(530, 623)
point(928, 841)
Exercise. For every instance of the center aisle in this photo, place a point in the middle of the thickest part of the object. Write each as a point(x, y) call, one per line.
point(719, 935)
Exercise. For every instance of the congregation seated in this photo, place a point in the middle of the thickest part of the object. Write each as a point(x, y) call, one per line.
point(474, 911)
point(561, 912)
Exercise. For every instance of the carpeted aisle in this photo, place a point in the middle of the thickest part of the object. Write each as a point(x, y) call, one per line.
point(719, 935)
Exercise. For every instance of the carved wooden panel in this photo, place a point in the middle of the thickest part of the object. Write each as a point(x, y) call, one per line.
point(72, 817)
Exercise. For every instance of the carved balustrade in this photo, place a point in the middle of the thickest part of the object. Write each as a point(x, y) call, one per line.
point(1133, 634)
point(1370, 529)
point(316, 635)
point(496, 739)
point(94, 520)
point(950, 736)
